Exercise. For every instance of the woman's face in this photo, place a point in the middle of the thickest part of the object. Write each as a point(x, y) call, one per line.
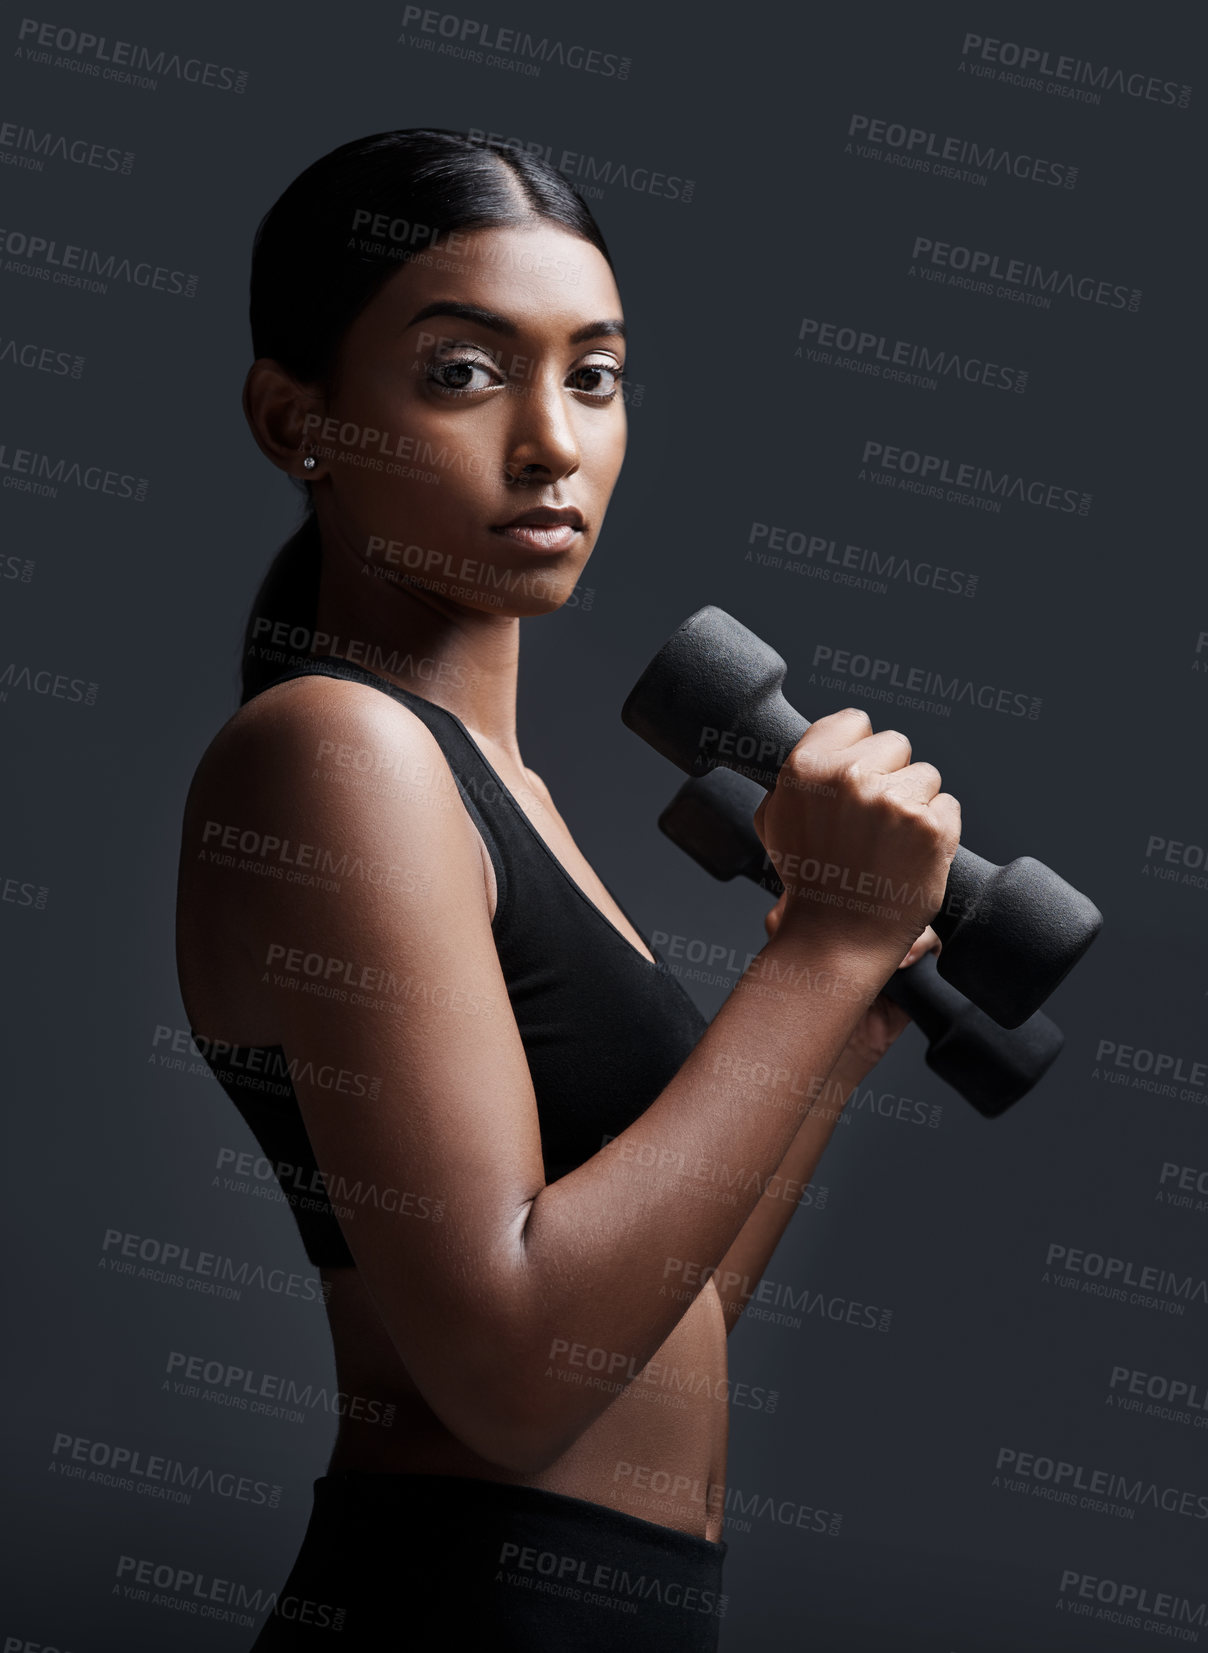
point(497, 359)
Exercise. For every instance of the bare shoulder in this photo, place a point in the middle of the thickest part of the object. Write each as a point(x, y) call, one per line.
point(320, 800)
point(316, 728)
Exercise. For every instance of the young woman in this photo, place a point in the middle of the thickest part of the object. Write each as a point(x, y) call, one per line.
point(433, 1010)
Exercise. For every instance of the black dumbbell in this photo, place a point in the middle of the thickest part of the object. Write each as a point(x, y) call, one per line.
point(990, 1066)
point(712, 696)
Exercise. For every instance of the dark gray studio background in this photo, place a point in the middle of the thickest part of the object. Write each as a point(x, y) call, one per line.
point(1102, 617)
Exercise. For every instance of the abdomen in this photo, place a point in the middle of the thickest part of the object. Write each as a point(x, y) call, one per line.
point(658, 1451)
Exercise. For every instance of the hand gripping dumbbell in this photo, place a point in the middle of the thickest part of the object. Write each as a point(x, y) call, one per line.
point(712, 696)
point(990, 1066)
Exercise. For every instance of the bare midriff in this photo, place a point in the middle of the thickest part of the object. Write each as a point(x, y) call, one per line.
point(657, 1452)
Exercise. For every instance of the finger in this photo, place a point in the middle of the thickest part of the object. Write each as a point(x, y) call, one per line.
point(836, 730)
point(918, 781)
point(927, 942)
point(946, 811)
point(887, 751)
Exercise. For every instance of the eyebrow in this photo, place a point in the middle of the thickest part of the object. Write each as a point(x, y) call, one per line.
point(501, 324)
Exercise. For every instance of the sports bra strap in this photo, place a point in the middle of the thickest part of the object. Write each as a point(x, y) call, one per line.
point(454, 740)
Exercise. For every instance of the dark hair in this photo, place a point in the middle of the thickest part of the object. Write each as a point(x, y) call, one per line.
point(310, 282)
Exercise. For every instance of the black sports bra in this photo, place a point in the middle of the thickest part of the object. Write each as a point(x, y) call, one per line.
point(604, 1029)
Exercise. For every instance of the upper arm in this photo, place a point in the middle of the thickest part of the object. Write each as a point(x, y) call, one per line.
point(392, 980)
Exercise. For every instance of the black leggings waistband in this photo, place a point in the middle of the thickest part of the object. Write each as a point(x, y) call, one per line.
point(396, 1561)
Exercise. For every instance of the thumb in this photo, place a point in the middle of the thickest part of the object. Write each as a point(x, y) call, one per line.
point(927, 942)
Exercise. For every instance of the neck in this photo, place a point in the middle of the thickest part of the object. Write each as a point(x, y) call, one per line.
point(455, 657)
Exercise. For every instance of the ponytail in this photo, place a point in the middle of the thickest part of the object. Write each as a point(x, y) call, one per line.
point(281, 626)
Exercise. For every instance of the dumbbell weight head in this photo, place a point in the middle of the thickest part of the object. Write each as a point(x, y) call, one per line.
point(712, 696)
point(711, 818)
point(990, 1066)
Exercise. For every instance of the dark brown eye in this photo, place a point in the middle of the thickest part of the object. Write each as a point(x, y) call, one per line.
point(599, 379)
point(456, 375)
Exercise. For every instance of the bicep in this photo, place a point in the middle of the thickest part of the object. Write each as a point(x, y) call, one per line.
point(389, 1000)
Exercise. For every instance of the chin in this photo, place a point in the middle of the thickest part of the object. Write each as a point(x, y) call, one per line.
point(541, 591)
point(535, 607)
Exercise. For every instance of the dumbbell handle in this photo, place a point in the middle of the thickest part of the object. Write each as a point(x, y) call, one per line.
point(778, 729)
point(781, 726)
point(710, 818)
point(1011, 933)
point(931, 1003)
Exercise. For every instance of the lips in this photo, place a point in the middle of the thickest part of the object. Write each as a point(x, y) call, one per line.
point(544, 516)
point(543, 528)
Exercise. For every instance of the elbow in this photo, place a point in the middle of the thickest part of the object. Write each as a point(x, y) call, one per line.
point(493, 1391)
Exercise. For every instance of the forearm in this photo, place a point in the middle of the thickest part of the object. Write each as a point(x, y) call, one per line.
point(614, 1253)
point(741, 1269)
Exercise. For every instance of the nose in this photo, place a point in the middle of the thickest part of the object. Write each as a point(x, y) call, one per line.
point(542, 444)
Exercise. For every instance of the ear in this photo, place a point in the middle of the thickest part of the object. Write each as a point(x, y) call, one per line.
point(284, 416)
